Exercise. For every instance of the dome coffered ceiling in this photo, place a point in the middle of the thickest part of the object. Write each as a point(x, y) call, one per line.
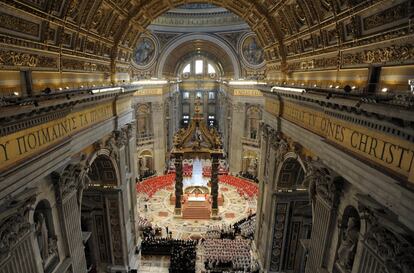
point(100, 36)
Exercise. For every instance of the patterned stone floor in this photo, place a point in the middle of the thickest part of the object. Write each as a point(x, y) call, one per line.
point(154, 264)
point(160, 264)
point(161, 213)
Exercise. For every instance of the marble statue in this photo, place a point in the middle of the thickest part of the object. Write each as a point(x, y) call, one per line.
point(347, 249)
point(42, 236)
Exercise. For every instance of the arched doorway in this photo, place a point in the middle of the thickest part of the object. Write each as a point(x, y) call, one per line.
point(293, 217)
point(100, 216)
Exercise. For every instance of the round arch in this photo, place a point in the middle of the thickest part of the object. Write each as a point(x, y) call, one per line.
point(85, 176)
point(145, 152)
point(255, 14)
point(145, 162)
point(103, 159)
point(290, 171)
point(205, 37)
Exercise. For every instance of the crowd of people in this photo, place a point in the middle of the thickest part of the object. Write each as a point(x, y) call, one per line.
point(156, 246)
point(249, 176)
point(246, 226)
point(183, 256)
point(224, 249)
point(220, 232)
point(227, 255)
point(182, 252)
point(146, 174)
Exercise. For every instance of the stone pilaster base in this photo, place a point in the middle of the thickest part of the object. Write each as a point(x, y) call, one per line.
point(177, 212)
point(214, 214)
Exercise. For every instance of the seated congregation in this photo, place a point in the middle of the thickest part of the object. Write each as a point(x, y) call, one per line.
point(225, 248)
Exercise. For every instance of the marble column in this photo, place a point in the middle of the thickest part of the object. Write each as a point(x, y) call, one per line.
point(66, 184)
point(325, 189)
point(214, 184)
point(159, 136)
point(178, 183)
point(237, 131)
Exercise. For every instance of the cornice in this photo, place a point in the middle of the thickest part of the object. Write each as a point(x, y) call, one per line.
point(22, 113)
point(376, 112)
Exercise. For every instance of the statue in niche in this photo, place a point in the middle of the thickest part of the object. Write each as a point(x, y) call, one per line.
point(144, 51)
point(252, 51)
point(347, 249)
point(42, 236)
point(252, 166)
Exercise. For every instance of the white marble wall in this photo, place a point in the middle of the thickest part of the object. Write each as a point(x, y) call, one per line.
point(359, 179)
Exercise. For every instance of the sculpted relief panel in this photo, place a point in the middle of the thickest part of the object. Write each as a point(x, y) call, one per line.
point(14, 23)
point(11, 58)
point(391, 54)
point(387, 16)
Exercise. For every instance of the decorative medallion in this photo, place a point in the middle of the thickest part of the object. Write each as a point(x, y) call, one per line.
point(251, 51)
point(145, 52)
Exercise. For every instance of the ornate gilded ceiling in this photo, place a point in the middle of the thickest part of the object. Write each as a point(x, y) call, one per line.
point(297, 35)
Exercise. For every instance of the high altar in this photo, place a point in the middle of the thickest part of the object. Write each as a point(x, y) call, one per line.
point(197, 141)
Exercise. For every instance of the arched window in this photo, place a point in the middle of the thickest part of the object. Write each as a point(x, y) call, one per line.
point(199, 65)
point(187, 69)
point(211, 69)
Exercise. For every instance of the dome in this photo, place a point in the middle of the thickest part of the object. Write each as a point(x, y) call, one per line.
point(198, 18)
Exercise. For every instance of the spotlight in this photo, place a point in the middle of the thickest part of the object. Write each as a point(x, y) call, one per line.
point(67, 87)
point(353, 87)
point(16, 93)
point(315, 85)
point(330, 86)
point(337, 87)
point(384, 90)
point(60, 89)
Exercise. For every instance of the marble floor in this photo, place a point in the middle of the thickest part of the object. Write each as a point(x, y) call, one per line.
point(154, 264)
point(159, 212)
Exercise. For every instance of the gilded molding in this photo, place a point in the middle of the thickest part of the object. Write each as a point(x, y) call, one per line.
point(391, 54)
point(14, 23)
point(13, 58)
point(387, 16)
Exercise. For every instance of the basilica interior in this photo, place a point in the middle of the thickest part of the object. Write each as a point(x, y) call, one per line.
point(213, 136)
